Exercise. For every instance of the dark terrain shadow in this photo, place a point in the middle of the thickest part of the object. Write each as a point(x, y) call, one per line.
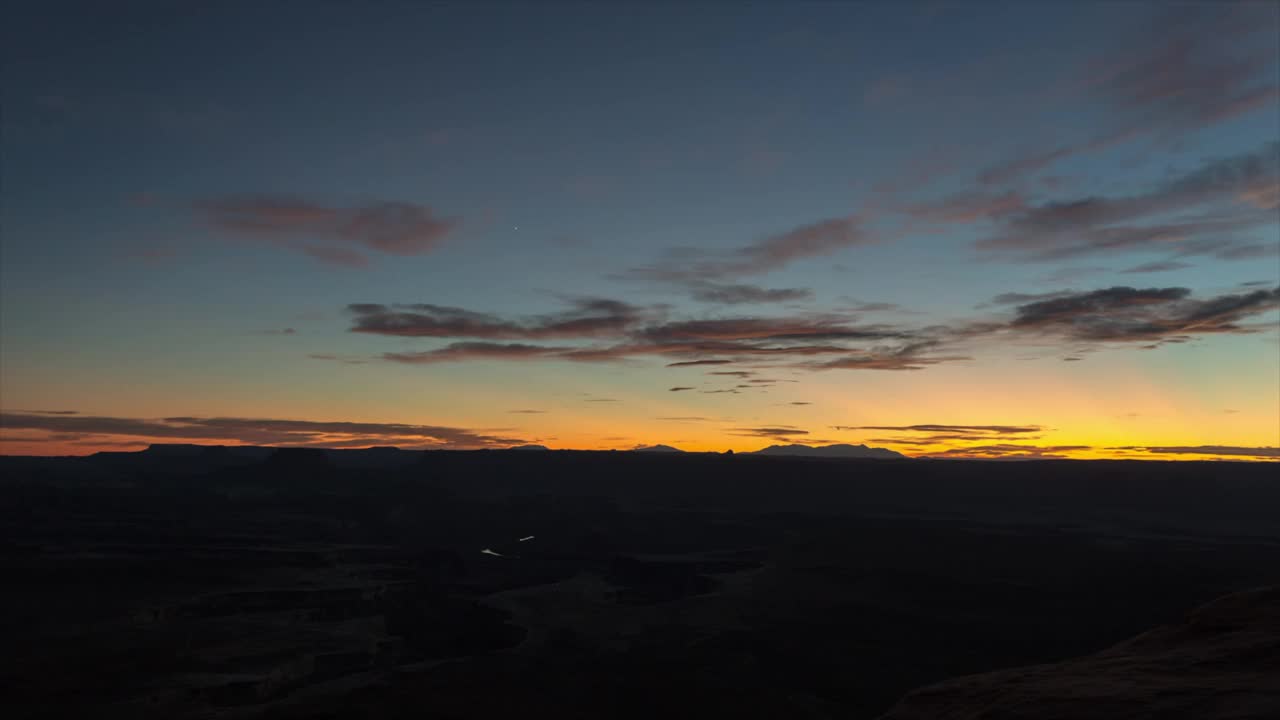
point(245, 582)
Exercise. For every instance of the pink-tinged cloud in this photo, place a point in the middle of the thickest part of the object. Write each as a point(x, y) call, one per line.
point(394, 228)
point(1209, 204)
point(1194, 67)
point(769, 253)
point(969, 207)
point(1035, 161)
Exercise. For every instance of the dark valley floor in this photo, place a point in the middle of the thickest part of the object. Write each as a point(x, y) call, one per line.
point(245, 583)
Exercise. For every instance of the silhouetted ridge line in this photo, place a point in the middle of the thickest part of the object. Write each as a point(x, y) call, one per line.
point(831, 451)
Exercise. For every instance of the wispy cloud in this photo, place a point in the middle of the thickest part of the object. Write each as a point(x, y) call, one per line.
point(633, 332)
point(394, 228)
point(969, 207)
point(768, 253)
point(1009, 451)
point(968, 430)
point(696, 363)
point(740, 294)
point(1156, 267)
point(769, 432)
point(587, 317)
point(459, 351)
point(330, 357)
point(1192, 214)
point(1191, 67)
point(262, 431)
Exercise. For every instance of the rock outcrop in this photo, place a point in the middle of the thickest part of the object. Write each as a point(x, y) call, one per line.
point(1222, 662)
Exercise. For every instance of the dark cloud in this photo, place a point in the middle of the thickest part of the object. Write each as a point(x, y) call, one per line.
point(1009, 451)
point(1020, 298)
point(742, 294)
point(770, 432)
point(527, 412)
point(767, 329)
point(679, 389)
point(874, 307)
point(956, 430)
point(394, 228)
point(337, 358)
point(692, 363)
point(458, 351)
point(911, 356)
point(1155, 267)
point(798, 402)
point(588, 317)
point(1126, 314)
point(809, 341)
point(262, 431)
point(716, 341)
point(1229, 250)
point(1222, 450)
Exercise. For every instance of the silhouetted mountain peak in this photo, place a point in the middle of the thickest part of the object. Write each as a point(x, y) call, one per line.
point(529, 447)
point(841, 450)
point(658, 448)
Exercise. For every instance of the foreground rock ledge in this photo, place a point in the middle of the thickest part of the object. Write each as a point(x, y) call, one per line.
point(1222, 662)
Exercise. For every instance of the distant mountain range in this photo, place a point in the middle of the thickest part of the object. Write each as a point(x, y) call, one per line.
point(831, 451)
point(376, 456)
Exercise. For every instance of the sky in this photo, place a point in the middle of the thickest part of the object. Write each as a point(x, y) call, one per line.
point(973, 230)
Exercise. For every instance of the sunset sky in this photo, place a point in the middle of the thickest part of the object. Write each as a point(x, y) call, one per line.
point(972, 229)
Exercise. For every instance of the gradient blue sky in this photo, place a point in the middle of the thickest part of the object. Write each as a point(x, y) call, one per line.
point(638, 153)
